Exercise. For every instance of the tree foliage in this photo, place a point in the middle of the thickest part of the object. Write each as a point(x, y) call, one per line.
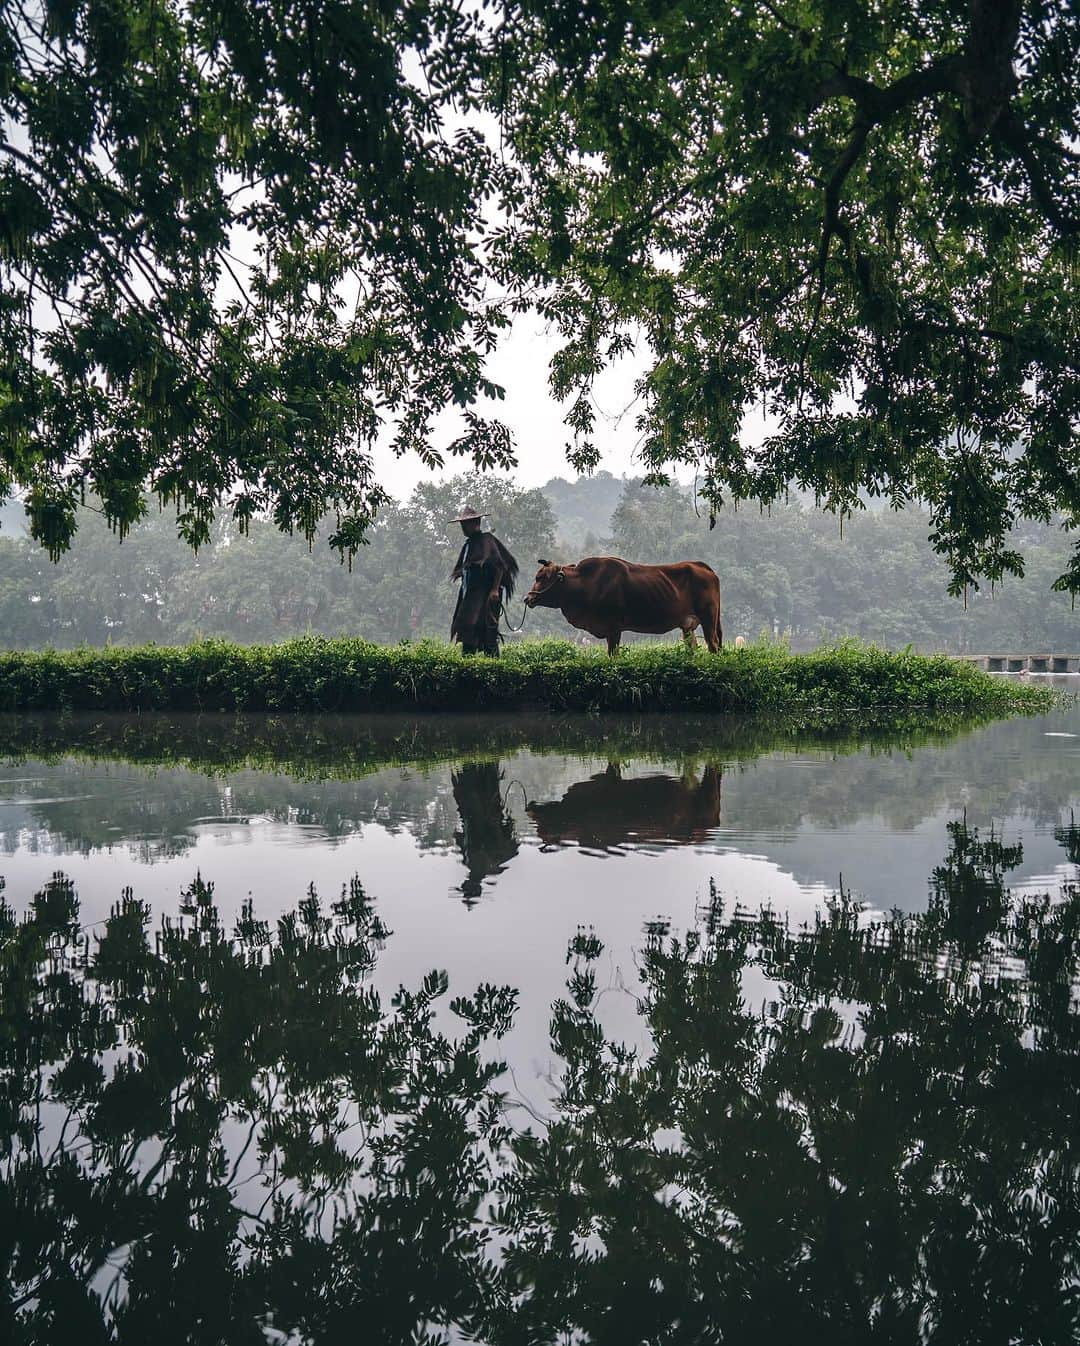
point(860, 217)
point(236, 242)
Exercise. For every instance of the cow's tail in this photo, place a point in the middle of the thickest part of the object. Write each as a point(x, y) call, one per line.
point(714, 637)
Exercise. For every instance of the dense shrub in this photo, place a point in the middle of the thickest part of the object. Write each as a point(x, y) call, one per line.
point(313, 673)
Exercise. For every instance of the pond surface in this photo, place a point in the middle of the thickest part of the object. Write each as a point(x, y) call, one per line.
point(518, 854)
point(487, 842)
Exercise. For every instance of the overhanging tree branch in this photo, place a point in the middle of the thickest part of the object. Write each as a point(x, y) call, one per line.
point(1016, 136)
point(876, 103)
point(831, 224)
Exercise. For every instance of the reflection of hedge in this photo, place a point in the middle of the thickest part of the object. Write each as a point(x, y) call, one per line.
point(318, 674)
point(347, 747)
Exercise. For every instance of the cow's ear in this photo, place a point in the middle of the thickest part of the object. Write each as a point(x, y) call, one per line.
point(542, 562)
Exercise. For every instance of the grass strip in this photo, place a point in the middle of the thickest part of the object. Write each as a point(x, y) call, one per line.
point(346, 675)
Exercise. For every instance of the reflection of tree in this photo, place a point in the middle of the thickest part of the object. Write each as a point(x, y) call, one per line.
point(609, 810)
point(797, 1171)
point(905, 770)
point(486, 837)
point(968, 890)
point(207, 1136)
point(73, 807)
point(1068, 836)
point(346, 747)
point(185, 1120)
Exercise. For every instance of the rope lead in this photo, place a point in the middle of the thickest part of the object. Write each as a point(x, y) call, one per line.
point(506, 619)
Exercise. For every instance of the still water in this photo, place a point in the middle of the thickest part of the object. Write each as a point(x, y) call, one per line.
point(662, 887)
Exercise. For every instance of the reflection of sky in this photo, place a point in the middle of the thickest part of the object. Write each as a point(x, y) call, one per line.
point(518, 938)
point(876, 823)
point(891, 868)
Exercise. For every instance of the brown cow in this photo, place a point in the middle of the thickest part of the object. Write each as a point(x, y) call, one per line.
point(606, 596)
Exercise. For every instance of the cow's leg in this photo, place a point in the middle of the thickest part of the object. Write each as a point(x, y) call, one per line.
point(710, 626)
point(613, 643)
point(689, 639)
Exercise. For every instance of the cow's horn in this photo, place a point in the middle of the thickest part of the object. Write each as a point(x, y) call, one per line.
point(541, 562)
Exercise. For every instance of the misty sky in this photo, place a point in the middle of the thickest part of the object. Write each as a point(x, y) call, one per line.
point(536, 419)
point(533, 415)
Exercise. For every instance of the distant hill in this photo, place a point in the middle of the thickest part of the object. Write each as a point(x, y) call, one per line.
point(583, 508)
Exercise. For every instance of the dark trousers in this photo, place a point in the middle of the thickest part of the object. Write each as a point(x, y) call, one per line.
point(476, 619)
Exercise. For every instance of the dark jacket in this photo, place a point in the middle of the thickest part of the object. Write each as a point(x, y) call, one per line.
point(487, 572)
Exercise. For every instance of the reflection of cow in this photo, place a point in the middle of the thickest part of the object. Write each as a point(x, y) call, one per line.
point(486, 838)
point(606, 596)
point(609, 810)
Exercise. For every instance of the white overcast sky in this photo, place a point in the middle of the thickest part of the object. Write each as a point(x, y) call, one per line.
point(534, 417)
point(536, 420)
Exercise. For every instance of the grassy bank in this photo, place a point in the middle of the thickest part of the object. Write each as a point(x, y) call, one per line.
point(314, 674)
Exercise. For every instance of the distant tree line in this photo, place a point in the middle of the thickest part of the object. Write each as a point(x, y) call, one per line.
point(788, 572)
point(263, 586)
point(792, 571)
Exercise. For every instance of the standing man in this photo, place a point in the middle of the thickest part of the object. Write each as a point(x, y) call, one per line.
point(487, 573)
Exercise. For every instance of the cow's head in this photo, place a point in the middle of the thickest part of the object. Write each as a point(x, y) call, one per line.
point(547, 586)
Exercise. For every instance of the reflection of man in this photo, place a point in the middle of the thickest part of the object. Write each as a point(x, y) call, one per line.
point(487, 572)
point(487, 838)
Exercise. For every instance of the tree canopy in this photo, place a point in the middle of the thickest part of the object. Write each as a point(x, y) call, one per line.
point(146, 146)
point(860, 218)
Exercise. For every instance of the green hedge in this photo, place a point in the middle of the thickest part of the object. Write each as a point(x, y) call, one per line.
point(315, 674)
